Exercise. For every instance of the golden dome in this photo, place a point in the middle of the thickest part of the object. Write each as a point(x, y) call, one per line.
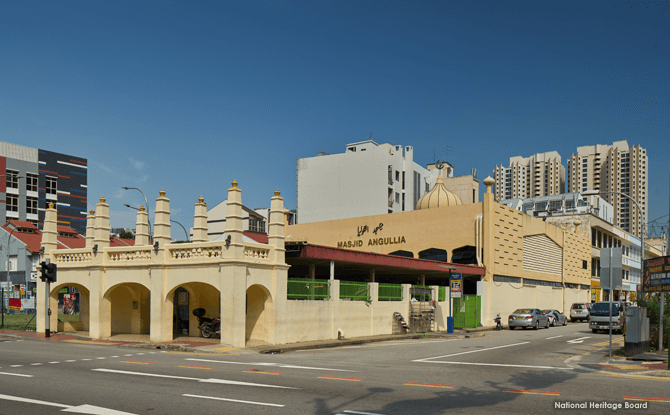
point(439, 196)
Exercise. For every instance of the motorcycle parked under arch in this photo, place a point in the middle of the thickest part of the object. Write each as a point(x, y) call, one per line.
point(207, 326)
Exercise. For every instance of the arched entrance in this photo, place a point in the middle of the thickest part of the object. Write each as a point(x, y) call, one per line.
point(73, 307)
point(187, 297)
point(258, 313)
point(130, 309)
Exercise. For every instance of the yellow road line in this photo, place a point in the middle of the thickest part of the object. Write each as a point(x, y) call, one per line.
point(429, 385)
point(197, 367)
point(92, 342)
point(634, 377)
point(640, 398)
point(263, 372)
point(532, 392)
point(338, 378)
point(136, 362)
point(608, 342)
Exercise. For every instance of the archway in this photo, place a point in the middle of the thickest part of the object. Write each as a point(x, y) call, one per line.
point(187, 297)
point(258, 319)
point(434, 254)
point(73, 308)
point(130, 309)
point(464, 255)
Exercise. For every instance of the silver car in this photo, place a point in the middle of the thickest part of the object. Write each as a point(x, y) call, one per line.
point(528, 317)
point(580, 311)
point(556, 317)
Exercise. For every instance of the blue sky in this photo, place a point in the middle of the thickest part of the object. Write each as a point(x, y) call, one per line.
point(188, 96)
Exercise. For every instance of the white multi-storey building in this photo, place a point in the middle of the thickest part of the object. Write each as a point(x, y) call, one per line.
point(616, 168)
point(541, 174)
point(367, 179)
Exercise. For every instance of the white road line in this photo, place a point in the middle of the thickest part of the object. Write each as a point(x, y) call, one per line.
point(86, 359)
point(70, 361)
point(15, 365)
point(501, 365)
point(127, 354)
point(471, 351)
point(577, 341)
point(361, 413)
point(223, 381)
point(112, 356)
point(16, 374)
point(35, 364)
point(101, 358)
point(555, 337)
point(53, 363)
point(268, 364)
point(232, 400)
point(81, 409)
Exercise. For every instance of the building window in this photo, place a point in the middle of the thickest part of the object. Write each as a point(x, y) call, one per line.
point(12, 203)
point(31, 182)
point(397, 197)
point(256, 225)
point(585, 264)
point(599, 239)
point(13, 179)
point(593, 237)
point(52, 185)
point(13, 263)
point(31, 205)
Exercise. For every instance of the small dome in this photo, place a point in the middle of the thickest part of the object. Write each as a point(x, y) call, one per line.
point(439, 196)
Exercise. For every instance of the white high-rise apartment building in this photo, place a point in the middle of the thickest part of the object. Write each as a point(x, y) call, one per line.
point(615, 168)
point(541, 174)
point(367, 179)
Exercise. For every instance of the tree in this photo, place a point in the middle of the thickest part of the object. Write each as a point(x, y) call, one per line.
point(126, 235)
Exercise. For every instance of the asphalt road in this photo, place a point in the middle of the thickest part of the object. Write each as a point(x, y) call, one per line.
point(503, 372)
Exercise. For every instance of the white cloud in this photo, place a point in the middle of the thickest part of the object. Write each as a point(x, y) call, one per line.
point(142, 179)
point(136, 163)
point(105, 168)
point(119, 194)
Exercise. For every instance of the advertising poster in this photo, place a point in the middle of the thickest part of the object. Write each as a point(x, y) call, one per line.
point(14, 304)
point(656, 275)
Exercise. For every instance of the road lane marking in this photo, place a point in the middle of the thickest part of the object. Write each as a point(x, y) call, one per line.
point(232, 400)
point(430, 385)
point(101, 358)
point(360, 413)
point(640, 398)
point(262, 371)
point(267, 364)
point(502, 365)
point(15, 365)
point(198, 367)
point(577, 341)
point(471, 351)
point(53, 363)
point(222, 381)
point(555, 337)
point(16, 374)
point(338, 378)
point(137, 362)
point(70, 361)
point(35, 364)
point(634, 377)
point(81, 409)
point(532, 392)
point(85, 360)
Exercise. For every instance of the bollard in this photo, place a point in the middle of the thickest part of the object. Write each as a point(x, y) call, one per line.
point(450, 324)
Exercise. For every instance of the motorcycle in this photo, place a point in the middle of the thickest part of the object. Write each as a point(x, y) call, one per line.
point(498, 322)
point(207, 326)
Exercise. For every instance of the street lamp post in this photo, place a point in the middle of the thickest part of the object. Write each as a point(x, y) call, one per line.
point(151, 235)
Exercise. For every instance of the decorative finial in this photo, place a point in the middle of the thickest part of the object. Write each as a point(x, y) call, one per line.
point(162, 192)
point(92, 212)
point(102, 199)
point(277, 192)
point(51, 205)
point(141, 208)
point(234, 183)
point(201, 199)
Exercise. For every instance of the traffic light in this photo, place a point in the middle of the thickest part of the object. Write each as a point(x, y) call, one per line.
point(48, 272)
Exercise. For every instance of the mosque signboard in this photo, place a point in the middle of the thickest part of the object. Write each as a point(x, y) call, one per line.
point(656, 275)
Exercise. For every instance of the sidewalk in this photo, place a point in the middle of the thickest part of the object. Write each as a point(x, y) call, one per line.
point(202, 345)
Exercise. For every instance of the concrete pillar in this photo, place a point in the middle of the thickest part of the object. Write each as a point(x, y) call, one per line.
point(374, 291)
point(234, 248)
point(90, 228)
point(142, 228)
point(161, 306)
point(162, 220)
point(422, 280)
point(233, 305)
point(488, 247)
point(372, 275)
point(200, 221)
point(276, 227)
point(332, 270)
point(101, 227)
point(312, 271)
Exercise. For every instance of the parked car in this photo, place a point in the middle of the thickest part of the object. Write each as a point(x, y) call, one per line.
point(600, 317)
point(556, 317)
point(528, 317)
point(579, 312)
